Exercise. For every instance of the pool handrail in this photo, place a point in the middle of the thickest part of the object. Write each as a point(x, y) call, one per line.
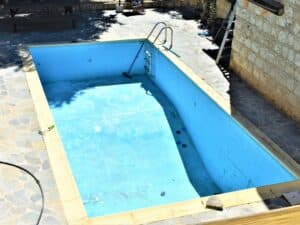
point(127, 74)
point(154, 27)
point(166, 29)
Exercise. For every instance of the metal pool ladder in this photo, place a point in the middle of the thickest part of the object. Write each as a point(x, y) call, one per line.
point(231, 20)
point(165, 28)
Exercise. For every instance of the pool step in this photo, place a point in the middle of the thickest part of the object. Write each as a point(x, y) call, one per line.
point(148, 62)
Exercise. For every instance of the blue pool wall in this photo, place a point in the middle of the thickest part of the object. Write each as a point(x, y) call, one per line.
point(85, 61)
point(233, 157)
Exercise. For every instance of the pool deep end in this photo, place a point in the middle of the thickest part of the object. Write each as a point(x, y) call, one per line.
point(228, 156)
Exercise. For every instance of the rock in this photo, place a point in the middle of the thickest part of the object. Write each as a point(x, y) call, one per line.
point(214, 203)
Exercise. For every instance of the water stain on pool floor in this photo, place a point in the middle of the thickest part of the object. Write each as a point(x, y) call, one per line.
point(126, 145)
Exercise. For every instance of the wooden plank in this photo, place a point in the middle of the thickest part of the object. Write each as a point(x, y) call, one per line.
point(287, 216)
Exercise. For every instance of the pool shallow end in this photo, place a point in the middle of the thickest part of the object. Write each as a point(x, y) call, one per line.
point(71, 201)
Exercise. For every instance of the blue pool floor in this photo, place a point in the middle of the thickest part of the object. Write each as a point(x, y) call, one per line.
point(126, 145)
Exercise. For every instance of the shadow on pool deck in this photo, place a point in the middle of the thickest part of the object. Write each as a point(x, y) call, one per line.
point(89, 27)
point(277, 126)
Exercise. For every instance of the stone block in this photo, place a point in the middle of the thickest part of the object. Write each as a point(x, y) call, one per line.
point(282, 36)
point(297, 90)
point(267, 27)
point(290, 83)
point(291, 55)
point(292, 197)
point(297, 59)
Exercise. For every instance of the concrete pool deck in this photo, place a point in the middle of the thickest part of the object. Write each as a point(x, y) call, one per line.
point(21, 143)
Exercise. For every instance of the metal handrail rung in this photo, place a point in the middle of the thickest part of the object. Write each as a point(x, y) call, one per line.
point(165, 28)
point(172, 34)
point(153, 29)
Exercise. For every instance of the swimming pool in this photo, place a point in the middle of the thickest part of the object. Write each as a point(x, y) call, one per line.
point(152, 140)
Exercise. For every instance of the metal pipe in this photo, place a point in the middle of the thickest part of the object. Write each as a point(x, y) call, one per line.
point(153, 29)
point(128, 73)
point(161, 30)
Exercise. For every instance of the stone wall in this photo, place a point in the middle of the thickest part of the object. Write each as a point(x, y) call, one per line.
point(223, 8)
point(180, 3)
point(266, 53)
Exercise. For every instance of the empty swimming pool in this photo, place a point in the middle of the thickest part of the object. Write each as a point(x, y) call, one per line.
point(151, 140)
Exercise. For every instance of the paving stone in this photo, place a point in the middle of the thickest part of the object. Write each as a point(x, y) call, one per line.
point(36, 197)
point(191, 219)
point(3, 208)
point(31, 159)
point(14, 122)
point(46, 165)
point(29, 218)
point(50, 220)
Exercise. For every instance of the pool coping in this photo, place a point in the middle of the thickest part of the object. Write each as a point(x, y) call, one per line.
point(69, 195)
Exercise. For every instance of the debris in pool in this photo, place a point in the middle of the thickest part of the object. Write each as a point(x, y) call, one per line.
point(98, 129)
point(162, 194)
point(93, 199)
point(184, 145)
point(178, 132)
point(124, 195)
point(127, 75)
